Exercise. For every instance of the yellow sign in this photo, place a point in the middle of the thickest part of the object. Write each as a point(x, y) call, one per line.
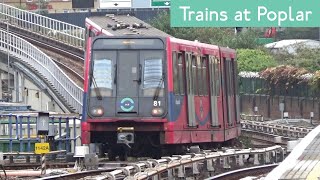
point(42, 148)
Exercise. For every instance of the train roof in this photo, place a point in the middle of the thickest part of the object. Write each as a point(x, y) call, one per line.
point(120, 25)
point(203, 45)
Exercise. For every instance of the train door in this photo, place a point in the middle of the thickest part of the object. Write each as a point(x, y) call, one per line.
point(228, 83)
point(215, 99)
point(190, 70)
point(128, 80)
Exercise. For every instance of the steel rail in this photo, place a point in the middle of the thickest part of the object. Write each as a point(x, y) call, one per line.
point(241, 173)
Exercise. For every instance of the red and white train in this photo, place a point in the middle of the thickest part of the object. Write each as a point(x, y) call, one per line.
point(147, 93)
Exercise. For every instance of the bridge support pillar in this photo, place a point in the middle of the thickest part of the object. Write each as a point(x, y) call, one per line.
point(18, 82)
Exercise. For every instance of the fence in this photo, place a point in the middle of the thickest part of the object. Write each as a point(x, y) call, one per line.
point(18, 132)
point(257, 85)
point(48, 27)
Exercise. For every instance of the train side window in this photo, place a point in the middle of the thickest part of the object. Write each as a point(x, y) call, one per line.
point(215, 72)
point(175, 73)
point(217, 75)
point(231, 77)
point(194, 75)
point(199, 78)
point(204, 76)
point(180, 73)
point(235, 67)
point(228, 76)
point(187, 69)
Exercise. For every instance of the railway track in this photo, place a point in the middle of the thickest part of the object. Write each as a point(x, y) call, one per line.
point(69, 60)
point(78, 175)
point(241, 173)
point(20, 166)
point(199, 166)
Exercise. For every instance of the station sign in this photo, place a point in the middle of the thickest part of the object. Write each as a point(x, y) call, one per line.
point(160, 3)
point(42, 148)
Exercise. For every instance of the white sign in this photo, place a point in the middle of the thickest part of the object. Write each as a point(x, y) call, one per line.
point(311, 114)
point(281, 106)
point(115, 4)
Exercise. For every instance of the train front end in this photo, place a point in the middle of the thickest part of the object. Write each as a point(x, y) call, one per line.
point(125, 105)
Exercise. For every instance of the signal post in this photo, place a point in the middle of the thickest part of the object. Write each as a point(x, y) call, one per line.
point(43, 147)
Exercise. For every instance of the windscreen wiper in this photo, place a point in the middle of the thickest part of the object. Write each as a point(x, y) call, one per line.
point(96, 88)
point(157, 92)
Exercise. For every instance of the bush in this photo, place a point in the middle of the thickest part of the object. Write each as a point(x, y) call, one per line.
point(254, 60)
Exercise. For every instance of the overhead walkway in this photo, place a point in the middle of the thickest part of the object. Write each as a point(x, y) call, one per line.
point(62, 32)
point(65, 89)
point(65, 35)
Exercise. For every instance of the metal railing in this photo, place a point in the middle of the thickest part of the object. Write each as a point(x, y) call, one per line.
point(38, 60)
point(63, 32)
point(276, 129)
point(19, 131)
point(255, 117)
point(175, 167)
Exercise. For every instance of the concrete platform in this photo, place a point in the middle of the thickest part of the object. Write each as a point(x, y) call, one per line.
point(303, 162)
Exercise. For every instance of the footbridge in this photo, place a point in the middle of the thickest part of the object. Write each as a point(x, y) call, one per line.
point(23, 35)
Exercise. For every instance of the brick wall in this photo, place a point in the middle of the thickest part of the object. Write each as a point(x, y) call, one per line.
point(268, 106)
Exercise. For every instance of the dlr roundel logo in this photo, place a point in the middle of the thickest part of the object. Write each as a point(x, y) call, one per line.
point(127, 104)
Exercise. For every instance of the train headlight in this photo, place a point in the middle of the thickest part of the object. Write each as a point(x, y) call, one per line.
point(157, 112)
point(97, 111)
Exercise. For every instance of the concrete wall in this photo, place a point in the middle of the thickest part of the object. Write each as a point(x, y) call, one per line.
point(28, 93)
point(269, 106)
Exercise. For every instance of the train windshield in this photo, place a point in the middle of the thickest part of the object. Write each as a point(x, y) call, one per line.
point(129, 74)
point(114, 72)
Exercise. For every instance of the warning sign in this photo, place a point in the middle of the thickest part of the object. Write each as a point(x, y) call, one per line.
point(42, 148)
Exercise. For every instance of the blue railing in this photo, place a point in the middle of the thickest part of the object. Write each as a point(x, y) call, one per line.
point(22, 130)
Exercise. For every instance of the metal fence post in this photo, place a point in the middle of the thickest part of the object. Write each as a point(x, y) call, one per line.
point(67, 135)
point(74, 134)
point(20, 132)
point(28, 125)
point(60, 133)
point(10, 132)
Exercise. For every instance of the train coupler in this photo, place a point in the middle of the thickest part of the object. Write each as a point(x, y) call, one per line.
point(125, 135)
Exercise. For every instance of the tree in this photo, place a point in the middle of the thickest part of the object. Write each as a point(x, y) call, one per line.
point(219, 36)
point(305, 57)
point(315, 82)
point(287, 76)
point(254, 60)
point(299, 33)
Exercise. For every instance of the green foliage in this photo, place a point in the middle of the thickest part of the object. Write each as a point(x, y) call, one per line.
point(283, 75)
point(219, 36)
point(299, 33)
point(305, 58)
point(245, 40)
point(22, 7)
point(246, 141)
point(254, 60)
point(315, 82)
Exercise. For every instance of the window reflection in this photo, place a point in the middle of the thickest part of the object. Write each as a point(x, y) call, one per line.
point(152, 73)
point(102, 73)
